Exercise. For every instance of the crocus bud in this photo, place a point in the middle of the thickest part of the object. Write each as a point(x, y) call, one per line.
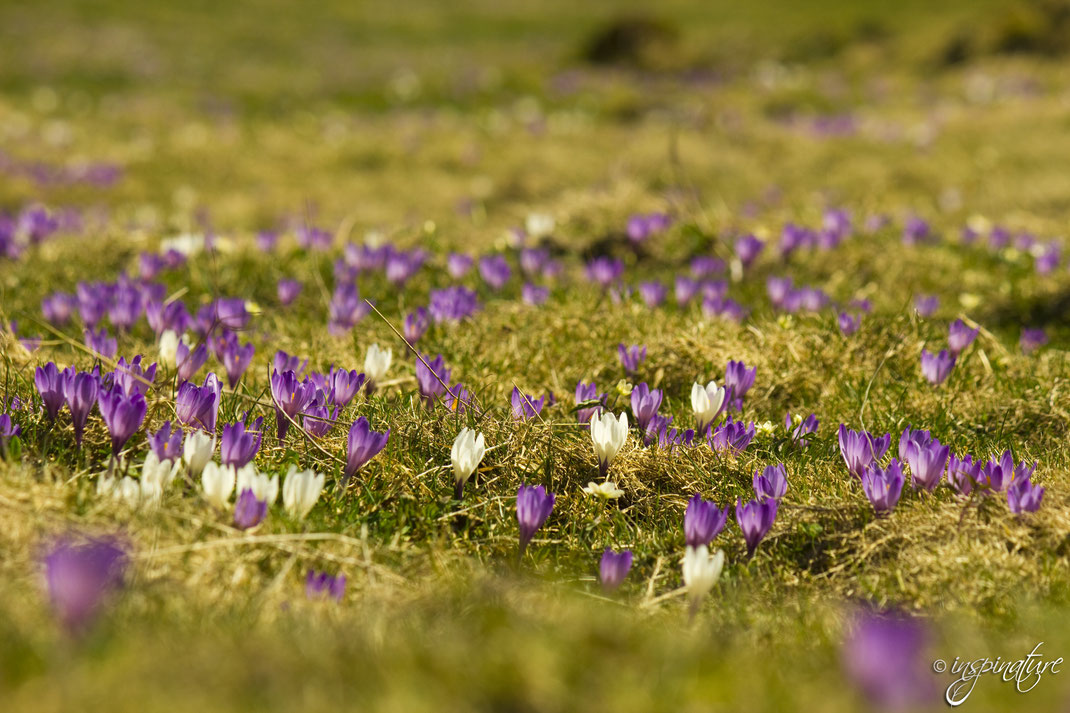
point(217, 483)
point(249, 511)
point(156, 476)
point(197, 451)
point(301, 490)
point(376, 364)
point(707, 402)
point(467, 452)
point(701, 572)
point(264, 488)
point(608, 434)
point(614, 568)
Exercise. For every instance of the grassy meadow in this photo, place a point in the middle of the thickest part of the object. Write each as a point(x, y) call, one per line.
point(445, 127)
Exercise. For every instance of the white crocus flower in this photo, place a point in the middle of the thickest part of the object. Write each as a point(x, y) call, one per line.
point(701, 572)
point(707, 402)
point(157, 475)
point(608, 433)
point(539, 225)
point(376, 364)
point(168, 349)
point(197, 451)
point(765, 428)
point(605, 491)
point(128, 491)
point(264, 488)
point(301, 490)
point(468, 450)
point(217, 483)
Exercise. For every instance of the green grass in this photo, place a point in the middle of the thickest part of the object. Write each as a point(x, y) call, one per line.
point(256, 115)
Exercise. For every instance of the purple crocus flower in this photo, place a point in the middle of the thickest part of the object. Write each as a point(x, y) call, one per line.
point(703, 521)
point(672, 438)
point(319, 585)
point(963, 473)
point(8, 430)
point(1032, 339)
point(167, 316)
point(922, 438)
point(748, 248)
point(495, 271)
point(731, 436)
point(238, 445)
point(884, 655)
point(1023, 496)
point(458, 265)
point(533, 507)
point(737, 380)
point(604, 271)
point(915, 230)
point(457, 398)
point(188, 361)
point(724, 308)
point(534, 295)
point(883, 486)
point(1048, 259)
point(452, 304)
point(960, 337)
point(779, 290)
point(57, 308)
point(584, 393)
point(645, 404)
point(849, 323)
point(288, 291)
point(283, 362)
point(125, 311)
point(310, 237)
point(49, 382)
point(705, 265)
point(755, 518)
point(236, 360)
point(652, 293)
point(416, 324)
point(345, 309)
point(402, 266)
point(80, 390)
point(198, 406)
point(230, 313)
point(861, 448)
point(927, 462)
point(166, 443)
point(805, 427)
point(291, 396)
point(771, 482)
point(524, 405)
point(532, 260)
point(249, 511)
point(637, 228)
point(100, 344)
point(936, 367)
point(317, 418)
point(997, 475)
point(432, 377)
point(363, 444)
point(614, 568)
point(133, 378)
point(80, 576)
point(631, 357)
point(122, 415)
point(341, 385)
point(685, 289)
